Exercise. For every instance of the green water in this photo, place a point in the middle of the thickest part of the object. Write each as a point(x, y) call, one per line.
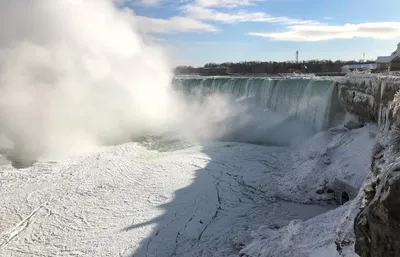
point(311, 101)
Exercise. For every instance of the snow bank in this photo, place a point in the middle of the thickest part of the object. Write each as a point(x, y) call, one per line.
point(315, 164)
point(312, 238)
point(327, 235)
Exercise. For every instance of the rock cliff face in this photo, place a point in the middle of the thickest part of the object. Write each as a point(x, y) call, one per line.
point(368, 96)
point(377, 224)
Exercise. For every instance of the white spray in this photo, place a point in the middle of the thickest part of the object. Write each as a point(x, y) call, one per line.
point(76, 75)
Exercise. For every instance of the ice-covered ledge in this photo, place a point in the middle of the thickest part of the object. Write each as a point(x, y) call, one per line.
point(367, 96)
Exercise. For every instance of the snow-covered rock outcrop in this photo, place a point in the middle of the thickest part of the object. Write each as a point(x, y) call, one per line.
point(377, 223)
point(367, 95)
point(377, 226)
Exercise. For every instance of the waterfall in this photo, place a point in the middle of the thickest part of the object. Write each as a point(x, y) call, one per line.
point(310, 101)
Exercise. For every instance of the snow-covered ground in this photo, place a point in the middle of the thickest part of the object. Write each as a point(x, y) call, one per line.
point(219, 199)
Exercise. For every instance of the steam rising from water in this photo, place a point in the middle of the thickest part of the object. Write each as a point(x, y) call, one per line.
point(75, 75)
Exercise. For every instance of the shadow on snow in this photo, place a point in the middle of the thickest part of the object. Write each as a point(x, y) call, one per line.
point(215, 215)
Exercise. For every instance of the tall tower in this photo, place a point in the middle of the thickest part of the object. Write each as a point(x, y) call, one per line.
point(297, 56)
point(363, 57)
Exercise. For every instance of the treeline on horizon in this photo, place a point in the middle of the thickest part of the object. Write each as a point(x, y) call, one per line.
point(258, 67)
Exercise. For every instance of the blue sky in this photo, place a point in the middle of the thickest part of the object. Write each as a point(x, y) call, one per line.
point(200, 31)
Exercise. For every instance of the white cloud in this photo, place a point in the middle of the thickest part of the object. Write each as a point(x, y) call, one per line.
point(172, 25)
point(203, 13)
point(145, 3)
point(378, 30)
point(195, 12)
point(149, 2)
point(205, 3)
point(225, 3)
point(175, 24)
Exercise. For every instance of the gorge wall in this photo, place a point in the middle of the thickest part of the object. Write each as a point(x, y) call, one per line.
point(374, 98)
point(368, 96)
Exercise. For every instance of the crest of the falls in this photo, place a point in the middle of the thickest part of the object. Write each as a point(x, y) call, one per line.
point(310, 101)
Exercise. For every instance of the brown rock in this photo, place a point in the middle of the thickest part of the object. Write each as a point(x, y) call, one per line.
point(377, 226)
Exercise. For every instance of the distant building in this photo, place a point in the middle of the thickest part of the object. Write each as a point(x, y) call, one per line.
point(360, 67)
point(391, 62)
point(383, 62)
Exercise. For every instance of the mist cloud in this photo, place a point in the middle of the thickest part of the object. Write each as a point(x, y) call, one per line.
point(74, 75)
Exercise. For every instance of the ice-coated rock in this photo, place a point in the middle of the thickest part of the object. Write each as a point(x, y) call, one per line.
point(377, 225)
point(367, 95)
